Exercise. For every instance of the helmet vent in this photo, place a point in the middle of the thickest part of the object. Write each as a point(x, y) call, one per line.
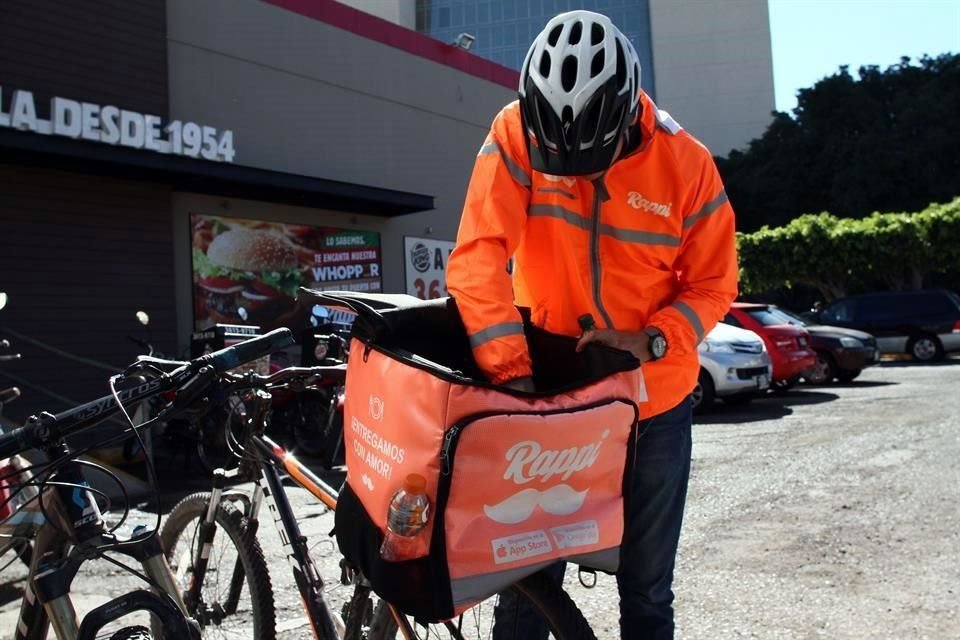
point(554, 36)
point(575, 33)
point(568, 73)
point(545, 64)
point(591, 123)
point(621, 66)
point(596, 33)
point(596, 65)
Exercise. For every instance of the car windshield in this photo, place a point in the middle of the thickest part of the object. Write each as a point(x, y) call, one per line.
point(954, 297)
point(772, 315)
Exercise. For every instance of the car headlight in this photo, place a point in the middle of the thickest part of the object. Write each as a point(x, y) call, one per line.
point(712, 346)
point(851, 343)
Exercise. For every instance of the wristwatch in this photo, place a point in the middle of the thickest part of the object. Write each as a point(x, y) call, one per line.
point(657, 344)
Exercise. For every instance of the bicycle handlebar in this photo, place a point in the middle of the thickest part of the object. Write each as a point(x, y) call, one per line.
point(47, 429)
point(289, 373)
point(238, 354)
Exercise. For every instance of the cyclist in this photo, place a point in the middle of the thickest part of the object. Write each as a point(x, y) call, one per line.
point(609, 208)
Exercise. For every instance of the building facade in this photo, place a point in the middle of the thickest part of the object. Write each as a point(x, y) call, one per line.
point(134, 133)
point(504, 29)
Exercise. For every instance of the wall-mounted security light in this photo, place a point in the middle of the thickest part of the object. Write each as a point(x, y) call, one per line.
point(464, 41)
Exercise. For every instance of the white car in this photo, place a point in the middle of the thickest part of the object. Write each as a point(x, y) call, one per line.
point(734, 366)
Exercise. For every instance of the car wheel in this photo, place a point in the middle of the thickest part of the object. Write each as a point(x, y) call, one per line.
point(846, 375)
point(784, 385)
point(704, 394)
point(822, 372)
point(925, 348)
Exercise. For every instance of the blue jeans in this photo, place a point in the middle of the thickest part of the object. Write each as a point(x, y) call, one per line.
point(658, 494)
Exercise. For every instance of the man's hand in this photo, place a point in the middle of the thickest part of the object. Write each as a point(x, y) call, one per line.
point(637, 343)
point(521, 384)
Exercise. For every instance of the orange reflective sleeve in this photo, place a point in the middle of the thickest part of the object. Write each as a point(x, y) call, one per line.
point(706, 267)
point(493, 221)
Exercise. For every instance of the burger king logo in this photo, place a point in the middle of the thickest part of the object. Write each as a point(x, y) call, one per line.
point(420, 257)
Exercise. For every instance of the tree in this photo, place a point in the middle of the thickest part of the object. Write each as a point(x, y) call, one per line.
point(837, 256)
point(884, 141)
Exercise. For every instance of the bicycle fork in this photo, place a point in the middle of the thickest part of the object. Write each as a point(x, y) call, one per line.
point(205, 534)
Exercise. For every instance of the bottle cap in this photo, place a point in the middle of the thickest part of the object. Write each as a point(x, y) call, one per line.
point(414, 483)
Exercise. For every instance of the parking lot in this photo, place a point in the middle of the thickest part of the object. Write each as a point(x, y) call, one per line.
point(826, 512)
point(830, 512)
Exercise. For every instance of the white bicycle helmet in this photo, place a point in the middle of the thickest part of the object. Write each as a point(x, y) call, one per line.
point(579, 91)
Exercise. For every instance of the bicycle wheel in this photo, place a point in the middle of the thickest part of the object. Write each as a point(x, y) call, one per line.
point(236, 600)
point(543, 598)
point(132, 633)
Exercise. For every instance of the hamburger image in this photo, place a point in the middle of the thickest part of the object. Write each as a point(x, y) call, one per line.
point(256, 271)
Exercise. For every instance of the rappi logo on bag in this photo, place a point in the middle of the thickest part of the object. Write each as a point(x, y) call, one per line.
point(529, 461)
point(552, 487)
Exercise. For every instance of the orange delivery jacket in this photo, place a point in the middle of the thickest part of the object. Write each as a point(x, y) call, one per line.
point(651, 245)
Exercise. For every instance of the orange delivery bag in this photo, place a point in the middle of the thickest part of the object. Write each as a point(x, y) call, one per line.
point(516, 481)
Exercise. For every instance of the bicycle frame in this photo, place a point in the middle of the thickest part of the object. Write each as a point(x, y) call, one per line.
point(271, 458)
point(74, 532)
point(269, 488)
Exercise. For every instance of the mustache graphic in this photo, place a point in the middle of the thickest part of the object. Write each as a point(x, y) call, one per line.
point(560, 500)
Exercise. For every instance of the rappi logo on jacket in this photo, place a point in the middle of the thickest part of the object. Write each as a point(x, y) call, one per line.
point(530, 488)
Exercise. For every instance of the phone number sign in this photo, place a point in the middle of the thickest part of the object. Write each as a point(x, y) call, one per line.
point(425, 264)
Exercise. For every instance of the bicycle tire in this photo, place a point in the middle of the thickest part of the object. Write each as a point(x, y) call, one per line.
point(358, 613)
point(563, 618)
point(183, 520)
point(132, 633)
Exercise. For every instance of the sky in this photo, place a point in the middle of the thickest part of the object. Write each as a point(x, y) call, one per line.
point(812, 38)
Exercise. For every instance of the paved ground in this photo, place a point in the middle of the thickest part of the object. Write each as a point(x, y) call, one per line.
point(829, 512)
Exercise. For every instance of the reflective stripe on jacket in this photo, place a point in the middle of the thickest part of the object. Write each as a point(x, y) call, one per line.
point(652, 244)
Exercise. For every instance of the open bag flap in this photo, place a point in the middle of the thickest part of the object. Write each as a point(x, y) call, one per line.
point(432, 332)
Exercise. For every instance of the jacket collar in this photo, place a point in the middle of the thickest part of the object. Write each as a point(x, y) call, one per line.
point(646, 123)
point(648, 117)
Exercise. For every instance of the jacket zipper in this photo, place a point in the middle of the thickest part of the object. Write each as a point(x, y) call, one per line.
point(599, 195)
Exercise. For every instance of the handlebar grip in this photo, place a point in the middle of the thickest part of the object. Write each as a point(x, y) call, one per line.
point(14, 442)
point(238, 354)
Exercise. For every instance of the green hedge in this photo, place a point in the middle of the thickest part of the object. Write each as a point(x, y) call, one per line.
point(838, 256)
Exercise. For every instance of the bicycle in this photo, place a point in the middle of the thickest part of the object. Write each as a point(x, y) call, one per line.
point(309, 419)
point(66, 522)
point(196, 519)
point(12, 468)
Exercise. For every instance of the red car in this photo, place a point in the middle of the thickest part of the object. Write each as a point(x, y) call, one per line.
point(788, 345)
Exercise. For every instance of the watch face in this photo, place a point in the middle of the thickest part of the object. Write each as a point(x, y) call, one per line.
point(658, 346)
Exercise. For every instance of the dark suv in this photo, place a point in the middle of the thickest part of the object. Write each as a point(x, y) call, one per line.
point(923, 323)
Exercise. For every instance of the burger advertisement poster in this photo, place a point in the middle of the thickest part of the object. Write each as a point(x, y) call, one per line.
point(248, 271)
